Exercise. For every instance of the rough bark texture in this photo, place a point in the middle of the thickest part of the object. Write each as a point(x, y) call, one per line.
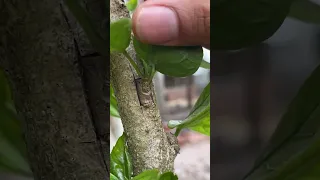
point(148, 144)
point(43, 58)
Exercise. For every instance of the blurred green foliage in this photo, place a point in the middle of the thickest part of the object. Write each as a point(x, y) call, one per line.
point(12, 147)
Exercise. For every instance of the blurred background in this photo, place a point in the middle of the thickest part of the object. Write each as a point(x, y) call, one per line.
point(250, 91)
point(175, 98)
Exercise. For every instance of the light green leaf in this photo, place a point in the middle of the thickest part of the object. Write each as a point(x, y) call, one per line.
point(87, 24)
point(306, 11)
point(297, 130)
point(120, 160)
point(113, 177)
point(132, 4)
point(113, 104)
point(168, 176)
point(120, 34)
point(199, 117)
point(243, 23)
point(204, 64)
point(148, 175)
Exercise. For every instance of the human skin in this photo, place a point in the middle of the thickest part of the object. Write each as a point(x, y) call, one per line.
point(173, 22)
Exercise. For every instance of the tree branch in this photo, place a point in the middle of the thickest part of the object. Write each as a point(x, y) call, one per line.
point(148, 143)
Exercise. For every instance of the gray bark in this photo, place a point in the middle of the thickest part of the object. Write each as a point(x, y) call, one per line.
point(148, 144)
point(47, 57)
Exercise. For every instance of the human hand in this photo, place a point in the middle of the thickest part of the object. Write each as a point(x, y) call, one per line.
point(173, 22)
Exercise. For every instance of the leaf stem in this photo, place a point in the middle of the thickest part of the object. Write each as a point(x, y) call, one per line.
point(133, 63)
point(178, 130)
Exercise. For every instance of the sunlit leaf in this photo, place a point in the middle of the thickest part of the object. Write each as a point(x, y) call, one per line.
point(199, 117)
point(113, 177)
point(148, 175)
point(113, 104)
point(120, 34)
point(168, 176)
point(120, 160)
point(132, 4)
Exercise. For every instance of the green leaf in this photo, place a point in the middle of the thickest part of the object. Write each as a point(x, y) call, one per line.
point(297, 130)
point(132, 4)
point(143, 54)
point(154, 174)
point(177, 61)
point(11, 159)
point(113, 104)
point(87, 24)
point(10, 126)
point(305, 165)
point(199, 117)
point(242, 23)
point(113, 177)
point(306, 11)
point(168, 176)
point(148, 175)
point(143, 50)
point(204, 64)
point(169, 60)
point(120, 34)
point(120, 163)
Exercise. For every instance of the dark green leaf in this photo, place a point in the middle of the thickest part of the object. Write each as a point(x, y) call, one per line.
point(120, 160)
point(10, 126)
point(297, 130)
point(303, 166)
point(120, 34)
point(172, 61)
point(177, 61)
point(143, 50)
point(132, 4)
point(143, 53)
point(154, 174)
point(113, 104)
point(11, 160)
point(243, 23)
point(168, 176)
point(87, 24)
point(306, 11)
point(199, 117)
point(113, 177)
point(148, 175)
point(205, 64)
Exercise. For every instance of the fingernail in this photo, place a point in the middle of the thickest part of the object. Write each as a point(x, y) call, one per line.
point(157, 24)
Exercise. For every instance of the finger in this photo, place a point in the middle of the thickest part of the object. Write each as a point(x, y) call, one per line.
point(173, 22)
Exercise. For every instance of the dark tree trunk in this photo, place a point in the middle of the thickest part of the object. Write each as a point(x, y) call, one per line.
point(59, 93)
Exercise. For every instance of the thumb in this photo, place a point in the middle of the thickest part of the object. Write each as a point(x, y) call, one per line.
point(173, 22)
